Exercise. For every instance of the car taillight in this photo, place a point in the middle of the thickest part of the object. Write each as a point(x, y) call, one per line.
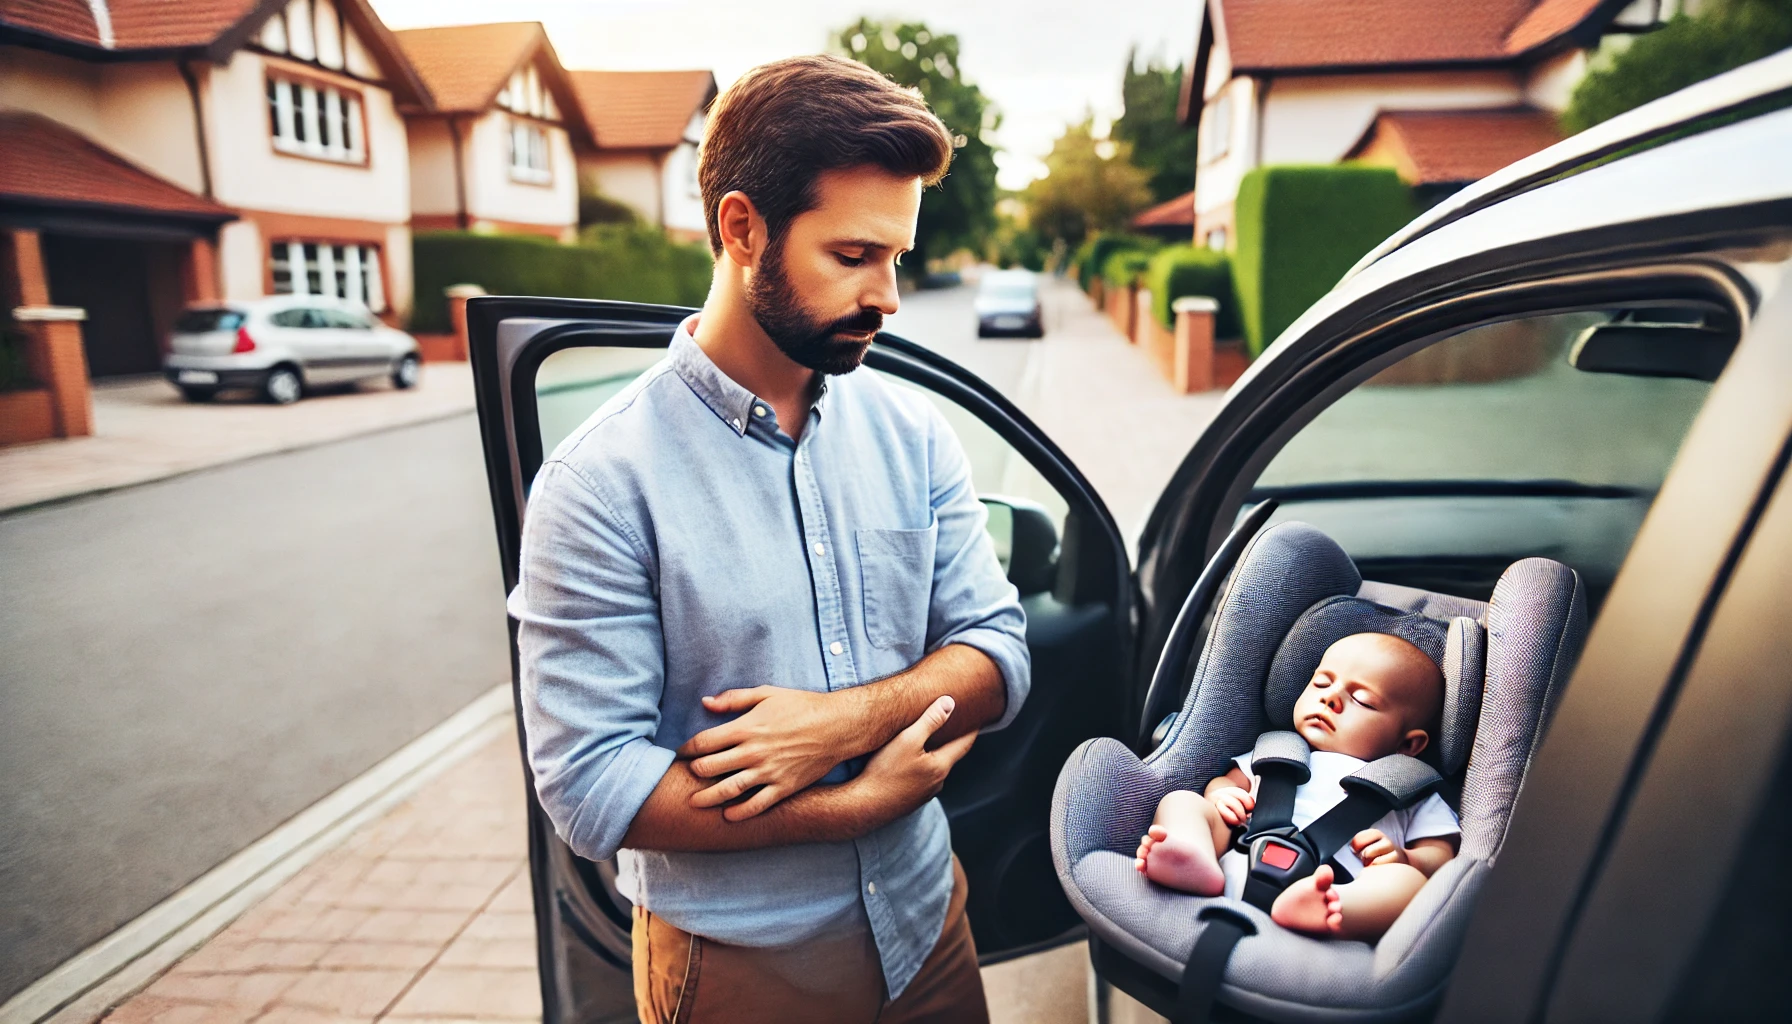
point(244, 343)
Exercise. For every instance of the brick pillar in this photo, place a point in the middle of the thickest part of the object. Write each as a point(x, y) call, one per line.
point(53, 351)
point(1193, 369)
point(458, 294)
point(199, 272)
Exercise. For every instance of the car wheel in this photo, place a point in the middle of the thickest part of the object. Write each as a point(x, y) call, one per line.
point(282, 386)
point(197, 394)
point(405, 374)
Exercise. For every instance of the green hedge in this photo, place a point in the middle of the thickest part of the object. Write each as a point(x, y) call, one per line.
point(609, 262)
point(1092, 255)
point(1300, 228)
point(1125, 267)
point(1183, 270)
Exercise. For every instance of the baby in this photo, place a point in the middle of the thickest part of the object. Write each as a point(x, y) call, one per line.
point(1373, 695)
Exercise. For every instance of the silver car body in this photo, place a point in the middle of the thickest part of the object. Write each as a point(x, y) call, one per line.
point(1008, 303)
point(328, 341)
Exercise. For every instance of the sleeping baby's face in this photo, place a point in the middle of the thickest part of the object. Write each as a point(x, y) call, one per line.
point(1372, 695)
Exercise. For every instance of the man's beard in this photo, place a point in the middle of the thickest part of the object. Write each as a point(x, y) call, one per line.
point(807, 339)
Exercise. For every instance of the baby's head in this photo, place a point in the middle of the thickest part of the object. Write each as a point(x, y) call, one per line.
point(1372, 695)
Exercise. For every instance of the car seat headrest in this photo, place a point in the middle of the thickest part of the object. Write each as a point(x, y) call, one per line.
point(1458, 647)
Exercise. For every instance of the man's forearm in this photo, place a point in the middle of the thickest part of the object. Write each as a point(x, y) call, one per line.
point(819, 814)
point(960, 671)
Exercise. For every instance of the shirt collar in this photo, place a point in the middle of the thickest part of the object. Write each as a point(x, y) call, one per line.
point(731, 403)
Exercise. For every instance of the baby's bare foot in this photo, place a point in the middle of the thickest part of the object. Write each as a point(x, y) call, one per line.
point(1183, 860)
point(1311, 906)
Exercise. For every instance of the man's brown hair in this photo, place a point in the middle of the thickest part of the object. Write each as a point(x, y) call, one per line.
point(780, 125)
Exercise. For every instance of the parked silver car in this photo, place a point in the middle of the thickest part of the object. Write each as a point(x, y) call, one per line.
point(281, 345)
point(1008, 303)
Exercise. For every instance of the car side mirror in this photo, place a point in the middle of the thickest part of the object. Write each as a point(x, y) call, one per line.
point(1026, 540)
point(1689, 351)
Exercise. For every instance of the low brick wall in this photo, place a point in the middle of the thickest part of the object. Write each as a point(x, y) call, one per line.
point(27, 416)
point(442, 348)
point(1121, 305)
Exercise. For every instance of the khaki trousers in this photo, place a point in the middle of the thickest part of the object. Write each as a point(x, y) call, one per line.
point(682, 978)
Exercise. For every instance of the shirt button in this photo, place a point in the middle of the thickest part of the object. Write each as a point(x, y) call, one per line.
point(736, 422)
point(819, 549)
point(837, 647)
point(759, 410)
point(871, 887)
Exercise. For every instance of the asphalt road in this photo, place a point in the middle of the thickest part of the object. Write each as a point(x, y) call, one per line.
point(187, 664)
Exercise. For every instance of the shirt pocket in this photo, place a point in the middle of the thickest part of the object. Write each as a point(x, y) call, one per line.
point(896, 578)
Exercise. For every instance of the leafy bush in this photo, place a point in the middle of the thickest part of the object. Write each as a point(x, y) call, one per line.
point(638, 264)
point(1300, 228)
point(597, 208)
point(1725, 34)
point(1092, 255)
point(1183, 270)
point(1124, 267)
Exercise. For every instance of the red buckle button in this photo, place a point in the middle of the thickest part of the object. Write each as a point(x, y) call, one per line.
point(1279, 857)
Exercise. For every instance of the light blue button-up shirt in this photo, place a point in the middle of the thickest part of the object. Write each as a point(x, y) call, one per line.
point(680, 544)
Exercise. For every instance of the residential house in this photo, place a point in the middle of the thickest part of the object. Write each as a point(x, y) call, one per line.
point(1293, 81)
point(494, 152)
point(152, 155)
point(648, 125)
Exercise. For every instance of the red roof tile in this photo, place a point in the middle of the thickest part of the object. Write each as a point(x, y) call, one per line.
point(43, 163)
point(136, 24)
point(1171, 213)
point(464, 66)
point(1434, 147)
point(1286, 35)
point(641, 109)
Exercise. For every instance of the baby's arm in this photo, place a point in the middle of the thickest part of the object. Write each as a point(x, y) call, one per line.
point(1230, 794)
point(1425, 854)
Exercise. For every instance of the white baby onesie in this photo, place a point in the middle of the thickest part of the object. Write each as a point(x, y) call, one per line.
point(1428, 819)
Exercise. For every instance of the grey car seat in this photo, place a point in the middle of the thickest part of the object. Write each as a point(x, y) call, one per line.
point(1293, 593)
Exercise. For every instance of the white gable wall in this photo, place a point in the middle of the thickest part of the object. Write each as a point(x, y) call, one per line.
point(678, 182)
point(493, 194)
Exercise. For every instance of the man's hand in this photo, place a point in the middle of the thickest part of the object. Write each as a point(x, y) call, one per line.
point(1374, 848)
point(905, 774)
point(786, 741)
point(1234, 805)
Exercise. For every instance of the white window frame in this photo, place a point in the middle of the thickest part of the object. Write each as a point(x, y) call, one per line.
point(345, 270)
point(327, 117)
point(529, 161)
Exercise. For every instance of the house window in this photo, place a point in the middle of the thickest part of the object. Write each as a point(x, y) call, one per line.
point(1217, 122)
point(529, 152)
point(321, 121)
point(338, 271)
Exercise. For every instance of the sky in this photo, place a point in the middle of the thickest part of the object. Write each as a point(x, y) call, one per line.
point(1044, 63)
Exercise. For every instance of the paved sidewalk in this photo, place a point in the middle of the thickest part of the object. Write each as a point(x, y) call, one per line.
point(423, 915)
point(144, 431)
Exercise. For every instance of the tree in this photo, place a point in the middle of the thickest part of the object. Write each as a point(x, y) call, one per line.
point(1724, 35)
point(960, 213)
point(1090, 185)
point(1161, 144)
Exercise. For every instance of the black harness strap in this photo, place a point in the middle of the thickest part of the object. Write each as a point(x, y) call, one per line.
point(1223, 928)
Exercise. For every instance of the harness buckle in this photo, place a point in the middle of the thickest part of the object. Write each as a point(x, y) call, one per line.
point(1278, 859)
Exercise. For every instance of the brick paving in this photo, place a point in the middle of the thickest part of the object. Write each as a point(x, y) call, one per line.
point(144, 431)
point(425, 916)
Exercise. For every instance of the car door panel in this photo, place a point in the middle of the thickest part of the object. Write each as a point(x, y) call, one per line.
point(541, 365)
point(1630, 676)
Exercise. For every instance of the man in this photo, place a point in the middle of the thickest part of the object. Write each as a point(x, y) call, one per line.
point(759, 617)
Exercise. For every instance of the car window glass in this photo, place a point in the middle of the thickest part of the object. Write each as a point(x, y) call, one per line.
point(343, 318)
point(1487, 447)
point(201, 321)
point(317, 318)
point(572, 383)
point(289, 318)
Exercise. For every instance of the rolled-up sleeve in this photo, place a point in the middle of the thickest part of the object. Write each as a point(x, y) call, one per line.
point(973, 603)
point(591, 663)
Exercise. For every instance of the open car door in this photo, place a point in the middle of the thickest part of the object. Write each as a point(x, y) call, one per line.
point(542, 366)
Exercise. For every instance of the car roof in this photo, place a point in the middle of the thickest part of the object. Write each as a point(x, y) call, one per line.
point(275, 302)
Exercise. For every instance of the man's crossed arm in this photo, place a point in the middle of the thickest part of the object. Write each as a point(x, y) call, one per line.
point(788, 739)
